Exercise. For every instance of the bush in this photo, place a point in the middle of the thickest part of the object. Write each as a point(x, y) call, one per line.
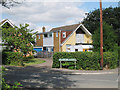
point(6, 86)
point(110, 59)
point(28, 58)
point(85, 60)
point(13, 58)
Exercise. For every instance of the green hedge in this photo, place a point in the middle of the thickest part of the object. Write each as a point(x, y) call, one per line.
point(12, 58)
point(110, 59)
point(85, 60)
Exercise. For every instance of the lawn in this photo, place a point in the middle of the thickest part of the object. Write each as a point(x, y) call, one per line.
point(33, 61)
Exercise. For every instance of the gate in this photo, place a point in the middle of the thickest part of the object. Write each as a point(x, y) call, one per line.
point(45, 54)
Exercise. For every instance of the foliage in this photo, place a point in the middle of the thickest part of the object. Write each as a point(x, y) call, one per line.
point(6, 86)
point(85, 60)
point(110, 59)
point(109, 39)
point(9, 3)
point(13, 58)
point(110, 16)
point(18, 38)
point(28, 58)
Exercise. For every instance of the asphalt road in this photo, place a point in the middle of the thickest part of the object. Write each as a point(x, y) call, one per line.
point(34, 77)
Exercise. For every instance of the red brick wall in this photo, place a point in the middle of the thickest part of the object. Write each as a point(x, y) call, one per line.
point(67, 34)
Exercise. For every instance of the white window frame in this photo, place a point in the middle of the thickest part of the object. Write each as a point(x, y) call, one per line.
point(56, 34)
point(39, 37)
point(64, 34)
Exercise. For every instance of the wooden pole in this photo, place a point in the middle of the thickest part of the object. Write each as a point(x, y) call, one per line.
point(101, 35)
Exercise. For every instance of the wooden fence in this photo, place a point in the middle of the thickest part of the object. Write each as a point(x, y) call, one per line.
point(45, 54)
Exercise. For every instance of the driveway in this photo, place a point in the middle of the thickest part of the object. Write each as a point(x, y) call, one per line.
point(48, 63)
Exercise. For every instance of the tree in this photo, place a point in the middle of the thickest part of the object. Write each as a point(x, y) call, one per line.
point(18, 38)
point(10, 3)
point(110, 16)
point(109, 38)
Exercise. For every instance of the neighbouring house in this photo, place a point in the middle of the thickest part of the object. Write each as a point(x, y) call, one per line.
point(68, 38)
point(6, 24)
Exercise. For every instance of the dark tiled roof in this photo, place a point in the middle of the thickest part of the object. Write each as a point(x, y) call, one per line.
point(68, 27)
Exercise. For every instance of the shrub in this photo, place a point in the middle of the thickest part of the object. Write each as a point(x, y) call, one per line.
point(13, 58)
point(110, 59)
point(6, 86)
point(28, 58)
point(85, 60)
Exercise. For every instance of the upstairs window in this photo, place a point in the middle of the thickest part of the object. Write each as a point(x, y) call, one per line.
point(56, 34)
point(45, 35)
point(64, 35)
point(50, 35)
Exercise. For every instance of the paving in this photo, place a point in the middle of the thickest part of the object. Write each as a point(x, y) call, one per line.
point(43, 76)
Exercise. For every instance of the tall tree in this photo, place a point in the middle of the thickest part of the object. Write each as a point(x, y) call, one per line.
point(19, 38)
point(109, 38)
point(110, 16)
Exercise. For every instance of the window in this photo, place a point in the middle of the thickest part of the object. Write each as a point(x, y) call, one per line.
point(56, 34)
point(76, 50)
point(85, 50)
point(45, 35)
point(64, 34)
point(39, 36)
point(50, 35)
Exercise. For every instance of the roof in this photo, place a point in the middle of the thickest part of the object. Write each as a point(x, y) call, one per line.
point(43, 33)
point(65, 28)
point(4, 21)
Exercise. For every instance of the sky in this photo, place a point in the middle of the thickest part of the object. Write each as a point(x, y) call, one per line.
point(52, 14)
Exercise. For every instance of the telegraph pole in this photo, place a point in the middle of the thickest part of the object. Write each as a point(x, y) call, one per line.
point(101, 35)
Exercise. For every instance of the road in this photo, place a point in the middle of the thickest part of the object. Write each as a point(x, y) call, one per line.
point(43, 77)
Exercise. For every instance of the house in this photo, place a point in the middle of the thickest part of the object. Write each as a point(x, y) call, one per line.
point(68, 38)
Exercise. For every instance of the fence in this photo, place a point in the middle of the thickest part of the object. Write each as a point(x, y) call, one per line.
point(45, 54)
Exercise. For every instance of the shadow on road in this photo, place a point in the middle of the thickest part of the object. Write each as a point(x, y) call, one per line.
point(34, 77)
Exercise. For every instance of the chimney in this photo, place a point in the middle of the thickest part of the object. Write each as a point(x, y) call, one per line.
point(43, 29)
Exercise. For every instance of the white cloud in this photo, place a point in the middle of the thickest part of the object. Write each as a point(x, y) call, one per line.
point(45, 13)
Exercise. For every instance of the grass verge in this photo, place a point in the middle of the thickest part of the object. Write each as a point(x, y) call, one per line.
point(33, 61)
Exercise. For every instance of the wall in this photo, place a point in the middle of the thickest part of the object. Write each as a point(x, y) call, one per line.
point(71, 40)
point(48, 41)
point(56, 42)
point(87, 39)
point(39, 41)
point(67, 34)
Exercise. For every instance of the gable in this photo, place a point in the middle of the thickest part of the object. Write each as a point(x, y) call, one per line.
point(80, 31)
point(6, 21)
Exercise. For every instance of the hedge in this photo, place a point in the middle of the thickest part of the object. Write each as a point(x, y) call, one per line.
point(12, 58)
point(85, 60)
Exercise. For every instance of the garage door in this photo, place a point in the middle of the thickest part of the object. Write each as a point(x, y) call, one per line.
point(38, 49)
